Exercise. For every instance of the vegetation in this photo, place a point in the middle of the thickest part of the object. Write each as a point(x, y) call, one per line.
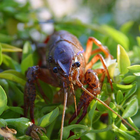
point(18, 52)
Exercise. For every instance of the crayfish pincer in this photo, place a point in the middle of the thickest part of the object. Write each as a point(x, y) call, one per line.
point(65, 64)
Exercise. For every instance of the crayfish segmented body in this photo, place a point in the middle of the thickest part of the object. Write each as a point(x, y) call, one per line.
point(65, 64)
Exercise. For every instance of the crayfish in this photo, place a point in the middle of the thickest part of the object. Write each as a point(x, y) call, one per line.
point(66, 65)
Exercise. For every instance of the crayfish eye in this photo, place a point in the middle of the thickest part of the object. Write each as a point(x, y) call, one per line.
point(76, 64)
point(55, 70)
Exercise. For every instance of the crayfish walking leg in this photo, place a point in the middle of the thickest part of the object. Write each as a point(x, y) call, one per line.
point(29, 98)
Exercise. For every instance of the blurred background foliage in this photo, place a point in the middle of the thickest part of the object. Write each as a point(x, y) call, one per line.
point(24, 23)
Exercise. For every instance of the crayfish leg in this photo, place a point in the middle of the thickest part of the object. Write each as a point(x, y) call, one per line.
point(83, 114)
point(94, 60)
point(80, 105)
point(30, 90)
point(99, 71)
point(101, 48)
point(29, 98)
point(32, 76)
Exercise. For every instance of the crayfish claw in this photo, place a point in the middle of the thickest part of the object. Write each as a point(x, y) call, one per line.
point(34, 130)
point(7, 133)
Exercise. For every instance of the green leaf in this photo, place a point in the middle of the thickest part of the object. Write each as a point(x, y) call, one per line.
point(123, 133)
point(11, 25)
point(23, 17)
point(47, 90)
point(122, 87)
point(127, 26)
point(29, 61)
point(112, 106)
point(18, 95)
point(20, 124)
point(96, 116)
point(49, 118)
point(122, 59)
point(14, 72)
point(93, 105)
point(129, 79)
point(66, 130)
point(10, 10)
point(10, 63)
point(131, 109)
point(27, 49)
point(138, 40)
point(135, 69)
point(89, 136)
point(111, 69)
point(5, 38)
point(131, 92)
point(2, 123)
point(9, 48)
point(5, 85)
point(119, 97)
point(1, 58)
point(13, 76)
point(117, 36)
point(3, 100)
point(16, 109)
point(101, 107)
point(44, 137)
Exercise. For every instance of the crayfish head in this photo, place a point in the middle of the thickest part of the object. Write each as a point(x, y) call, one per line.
point(64, 60)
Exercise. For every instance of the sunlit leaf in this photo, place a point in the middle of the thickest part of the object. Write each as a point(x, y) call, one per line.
point(123, 133)
point(122, 59)
point(135, 69)
point(127, 26)
point(117, 36)
point(27, 49)
point(111, 69)
point(44, 137)
point(3, 100)
point(14, 72)
point(49, 118)
point(122, 87)
point(9, 48)
point(13, 76)
point(138, 40)
point(29, 61)
point(112, 106)
point(131, 109)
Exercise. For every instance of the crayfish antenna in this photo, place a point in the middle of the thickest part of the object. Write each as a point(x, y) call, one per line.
point(72, 88)
point(85, 90)
point(64, 109)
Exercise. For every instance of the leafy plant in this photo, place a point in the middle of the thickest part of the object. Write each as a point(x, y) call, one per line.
point(99, 123)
